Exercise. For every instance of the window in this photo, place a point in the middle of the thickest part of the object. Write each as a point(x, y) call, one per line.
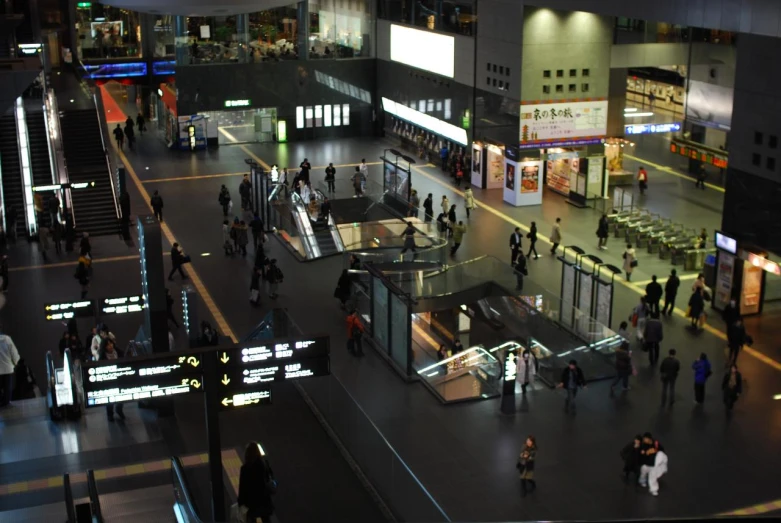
point(585, 72)
point(345, 114)
point(758, 138)
point(560, 73)
point(546, 89)
point(337, 115)
point(488, 80)
point(439, 106)
point(507, 71)
point(507, 86)
point(299, 117)
point(310, 113)
point(770, 163)
point(494, 66)
point(572, 88)
point(501, 69)
point(488, 67)
point(573, 72)
point(494, 82)
point(448, 114)
point(501, 84)
point(756, 159)
point(318, 115)
point(546, 74)
point(430, 108)
point(559, 88)
point(327, 120)
point(422, 106)
point(772, 141)
point(584, 87)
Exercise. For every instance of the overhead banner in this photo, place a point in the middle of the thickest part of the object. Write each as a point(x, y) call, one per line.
point(563, 123)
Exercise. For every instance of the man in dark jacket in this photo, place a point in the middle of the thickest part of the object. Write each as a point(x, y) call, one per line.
point(305, 168)
point(669, 369)
point(515, 244)
point(245, 191)
point(731, 314)
point(653, 293)
point(736, 338)
point(670, 291)
point(653, 336)
point(571, 379)
point(256, 225)
point(177, 260)
point(428, 207)
point(157, 205)
point(623, 366)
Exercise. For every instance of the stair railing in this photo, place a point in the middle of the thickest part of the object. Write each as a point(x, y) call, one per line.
point(96, 95)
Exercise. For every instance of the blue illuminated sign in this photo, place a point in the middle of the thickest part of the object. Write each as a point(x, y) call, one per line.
point(649, 128)
point(165, 67)
point(122, 70)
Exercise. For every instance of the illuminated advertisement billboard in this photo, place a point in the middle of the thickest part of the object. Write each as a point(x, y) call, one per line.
point(425, 50)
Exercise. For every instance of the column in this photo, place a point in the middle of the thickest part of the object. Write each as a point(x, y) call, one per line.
point(242, 37)
point(181, 40)
point(303, 30)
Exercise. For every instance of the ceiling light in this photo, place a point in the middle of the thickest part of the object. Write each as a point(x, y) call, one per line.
point(630, 109)
point(637, 115)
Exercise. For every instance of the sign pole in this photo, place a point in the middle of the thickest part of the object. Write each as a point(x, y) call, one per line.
point(212, 404)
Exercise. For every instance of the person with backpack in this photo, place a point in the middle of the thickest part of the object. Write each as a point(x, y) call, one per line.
point(355, 330)
point(274, 277)
point(256, 486)
point(225, 201)
point(157, 206)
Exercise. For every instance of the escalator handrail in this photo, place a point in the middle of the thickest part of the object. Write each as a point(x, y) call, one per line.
point(181, 487)
point(70, 509)
point(94, 497)
point(51, 379)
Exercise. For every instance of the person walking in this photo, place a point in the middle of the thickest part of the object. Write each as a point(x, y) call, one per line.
point(256, 226)
point(343, 289)
point(642, 179)
point(701, 176)
point(653, 336)
point(532, 236)
point(442, 224)
point(638, 318)
point(458, 236)
point(274, 277)
point(177, 260)
point(555, 236)
point(525, 370)
point(57, 237)
point(245, 192)
point(451, 218)
point(256, 485)
point(653, 295)
point(157, 206)
point(140, 123)
point(602, 233)
point(242, 237)
point(364, 170)
point(623, 367)
point(43, 241)
point(9, 358)
point(129, 122)
point(469, 201)
point(169, 308)
point(226, 238)
point(669, 370)
point(109, 352)
point(702, 371)
point(670, 292)
point(330, 177)
point(82, 274)
point(428, 208)
point(129, 133)
point(515, 245)
point(521, 270)
point(53, 205)
point(305, 167)
point(525, 465)
point(414, 204)
point(572, 379)
point(409, 239)
point(357, 185)
point(730, 314)
point(119, 136)
point(696, 308)
point(732, 386)
point(736, 338)
point(630, 455)
point(224, 200)
point(630, 261)
point(355, 330)
point(443, 154)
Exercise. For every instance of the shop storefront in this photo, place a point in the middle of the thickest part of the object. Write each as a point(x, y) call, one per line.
point(167, 118)
point(243, 125)
point(740, 274)
point(615, 172)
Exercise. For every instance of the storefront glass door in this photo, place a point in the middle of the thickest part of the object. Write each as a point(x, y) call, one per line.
point(244, 126)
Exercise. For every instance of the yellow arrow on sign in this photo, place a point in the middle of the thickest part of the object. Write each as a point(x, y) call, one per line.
point(224, 358)
point(192, 360)
point(48, 308)
point(225, 379)
point(196, 384)
point(226, 401)
point(48, 317)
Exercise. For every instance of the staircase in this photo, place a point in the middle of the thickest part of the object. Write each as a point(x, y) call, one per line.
point(13, 195)
point(93, 207)
point(39, 156)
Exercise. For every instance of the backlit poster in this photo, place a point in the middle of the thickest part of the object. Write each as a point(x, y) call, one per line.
point(584, 297)
point(563, 123)
point(477, 165)
point(495, 167)
point(724, 280)
point(509, 176)
point(568, 291)
point(604, 302)
point(530, 178)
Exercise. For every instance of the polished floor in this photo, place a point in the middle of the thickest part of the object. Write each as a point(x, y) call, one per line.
point(463, 454)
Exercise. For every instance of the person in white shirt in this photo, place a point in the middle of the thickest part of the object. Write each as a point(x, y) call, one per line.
point(9, 357)
point(364, 174)
point(652, 474)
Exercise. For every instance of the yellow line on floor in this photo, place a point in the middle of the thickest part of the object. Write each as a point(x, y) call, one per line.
point(589, 264)
point(754, 510)
point(683, 277)
point(668, 170)
point(73, 263)
point(198, 177)
point(231, 462)
point(194, 278)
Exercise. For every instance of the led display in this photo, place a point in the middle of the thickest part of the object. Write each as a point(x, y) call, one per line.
point(425, 50)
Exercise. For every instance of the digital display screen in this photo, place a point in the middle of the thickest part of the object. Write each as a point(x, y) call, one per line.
point(120, 70)
point(726, 243)
point(695, 154)
point(425, 121)
point(165, 67)
point(425, 50)
point(69, 309)
point(650, 128)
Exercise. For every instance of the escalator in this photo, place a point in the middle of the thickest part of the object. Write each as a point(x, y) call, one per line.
point(39, 159)
point(319, 237)
point(13, 195)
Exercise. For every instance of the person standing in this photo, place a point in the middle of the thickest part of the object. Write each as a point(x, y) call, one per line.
point(409, 239)
point(642, 179)
point(521, 270)
point(245, 192)
point(630, 455)
point(355, 330)
point(119, 136)
point(653, 463)
point(225, 201)
point(140, 123)
point(515, 245)
point(732, 386)
point(109, 352)
point(129, 122)
point(696, 308)
point(157, 206)
point(638, 317)
point(356, 179)
point(443, 154)
point(343, 289)
point(54, 209)
point(630, 261)
point(602, 232)
point(451, 218)
point(256, 485)
point(330, 177)
point(82, 274)
point(670, 292)
point(532, 236)
point(526, 369)
point(469, 201)
point(43, 241)
point(701, 175)
point(364, 169)
point(57, 237)
point(445, 204)
point(305, 168)
point(169, 308)
point(730, 314)
point(428, 207)
point(525, 465)
point(669, 370)
point(702, 371)
point(9, 358)
point(736, 338)
point(242, 237)
point(653, 336)
point(129, 134)
point(177, 260)
point(623, 366)
point(458, 236)
point(555, 236)
point(414, 204)
point(274, 277)
point(572, 379)
point(256, 225)
point(653, 294)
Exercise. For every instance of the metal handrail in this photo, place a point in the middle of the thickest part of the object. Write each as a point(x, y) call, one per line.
point(94, 497)
point(59, 163)
point(103, 133)
point(182, 492)
point(69, 508)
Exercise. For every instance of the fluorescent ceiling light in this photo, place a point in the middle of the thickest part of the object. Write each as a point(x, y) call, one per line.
point(637, 115)
point(428, 122)
point(630, 109)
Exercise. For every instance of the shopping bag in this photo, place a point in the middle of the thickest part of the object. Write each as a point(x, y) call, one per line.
point(254, 296)
point(689, 312)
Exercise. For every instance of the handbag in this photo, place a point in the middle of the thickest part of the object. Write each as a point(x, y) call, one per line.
point(633, 263)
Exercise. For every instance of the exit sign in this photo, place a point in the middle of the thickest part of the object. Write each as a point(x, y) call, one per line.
point(83, 5)
point(238, 103)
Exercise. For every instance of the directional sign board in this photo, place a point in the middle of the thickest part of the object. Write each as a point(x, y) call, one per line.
point(121, 305)
point(69, 309)
point(267, 372)
point(277, 351)
point(258, 396)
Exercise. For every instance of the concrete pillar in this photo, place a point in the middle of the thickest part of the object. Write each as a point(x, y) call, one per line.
point(303, 30)
point(181, 40)
point(242, 37)
point(616, 102)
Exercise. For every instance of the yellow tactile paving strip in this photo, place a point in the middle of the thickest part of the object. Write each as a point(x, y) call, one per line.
point(762, 508)
point(231, 463)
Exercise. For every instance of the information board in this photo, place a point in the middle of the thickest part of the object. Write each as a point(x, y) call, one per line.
point(276, 350)
point(69, 309)
point(260, 396)
point(121, 305)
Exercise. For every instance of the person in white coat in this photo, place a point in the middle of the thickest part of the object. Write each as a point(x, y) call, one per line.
point(525, 370)
point(630, 261)
point(555, 236)
point(651, 475)
point(469, 201)
point(9, 357)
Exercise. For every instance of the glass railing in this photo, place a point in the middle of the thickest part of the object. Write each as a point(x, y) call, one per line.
point(388, 249)
point(346, 189)
point(471, 374)
point(183, 508)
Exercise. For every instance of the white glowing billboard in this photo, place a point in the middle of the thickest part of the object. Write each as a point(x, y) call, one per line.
point(423, 49)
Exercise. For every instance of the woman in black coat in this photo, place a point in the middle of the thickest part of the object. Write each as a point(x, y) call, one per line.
point(732, 386)
point(696, 307)
point(342, 292)
point(256, 484)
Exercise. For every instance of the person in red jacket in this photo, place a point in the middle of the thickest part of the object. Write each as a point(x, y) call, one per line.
point(355, 330)
point(642, 179)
